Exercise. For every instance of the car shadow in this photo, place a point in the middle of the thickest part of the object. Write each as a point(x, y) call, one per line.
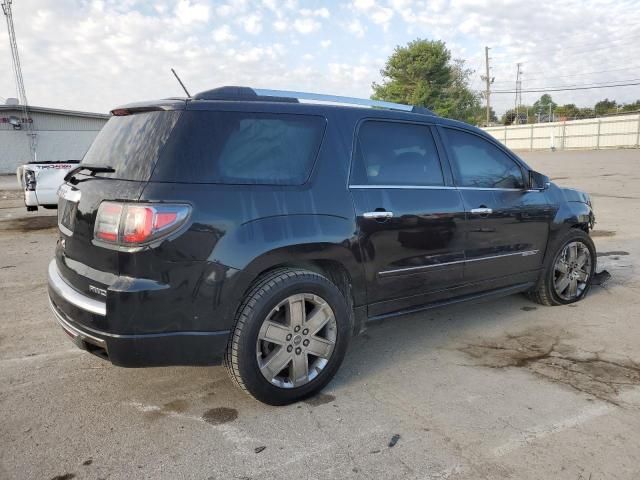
point(400, 340)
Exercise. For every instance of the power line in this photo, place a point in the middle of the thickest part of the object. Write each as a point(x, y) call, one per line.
point(543, 90)
point(627, 80)
point(578, 74)
point(588, 84)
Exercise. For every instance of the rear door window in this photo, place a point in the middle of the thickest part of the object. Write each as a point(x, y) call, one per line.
point(241, 148)
point(395, 153)
point(476, 162)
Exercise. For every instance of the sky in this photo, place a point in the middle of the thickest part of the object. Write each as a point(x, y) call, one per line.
point(94, 55)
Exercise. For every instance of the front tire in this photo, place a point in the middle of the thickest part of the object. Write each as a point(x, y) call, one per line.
point(291, 334)
point(568, 270)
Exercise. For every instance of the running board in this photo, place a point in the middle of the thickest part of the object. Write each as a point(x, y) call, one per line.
point(500, 292)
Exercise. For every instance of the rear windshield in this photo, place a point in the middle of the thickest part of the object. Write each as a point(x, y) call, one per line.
point(131, 144)
point(241, 148)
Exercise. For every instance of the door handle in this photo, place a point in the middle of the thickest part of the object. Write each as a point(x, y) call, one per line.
point(481, 211)
point(378, 215)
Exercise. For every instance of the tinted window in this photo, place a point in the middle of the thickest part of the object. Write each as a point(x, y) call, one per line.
point(478, 163)
point(390, 153)
point(241, 148)
point(131, 144)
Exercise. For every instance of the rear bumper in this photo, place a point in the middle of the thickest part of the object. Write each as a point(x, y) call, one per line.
point(129, 350)
point(30, 198)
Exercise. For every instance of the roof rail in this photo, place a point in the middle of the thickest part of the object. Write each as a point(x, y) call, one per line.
point(319, 97)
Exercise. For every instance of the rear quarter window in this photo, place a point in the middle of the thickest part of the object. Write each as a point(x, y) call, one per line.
point(241, 148)
point(131, 144)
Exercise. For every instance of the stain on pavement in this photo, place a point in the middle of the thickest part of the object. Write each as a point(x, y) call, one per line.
point(320, 399)
point(549, 356)
point(29, 223)
point(218, 416)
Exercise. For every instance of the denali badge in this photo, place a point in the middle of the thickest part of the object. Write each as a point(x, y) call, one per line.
point(99, 291)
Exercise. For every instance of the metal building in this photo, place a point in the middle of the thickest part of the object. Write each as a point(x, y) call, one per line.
point(59, 134)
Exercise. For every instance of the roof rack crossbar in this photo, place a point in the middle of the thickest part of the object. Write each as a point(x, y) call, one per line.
point(319, 97)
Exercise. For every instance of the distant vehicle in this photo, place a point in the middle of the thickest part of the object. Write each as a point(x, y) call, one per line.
point(249, 225)
point(40, 182)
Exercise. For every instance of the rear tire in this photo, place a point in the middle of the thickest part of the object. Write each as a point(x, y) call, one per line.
point(568, 270)
point(291, 334)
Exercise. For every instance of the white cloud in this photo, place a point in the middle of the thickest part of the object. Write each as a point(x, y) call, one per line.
point(189, 12)
point(234, 7)
point(306, 25)
point(355, 27)
point(223, 34)
point(280, 25)
point(325, 43)
point(320, 12)
point(252, 24)
point(375, 13)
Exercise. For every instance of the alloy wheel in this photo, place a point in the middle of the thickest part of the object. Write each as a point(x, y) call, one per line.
point(572, 271)
point(296, 340)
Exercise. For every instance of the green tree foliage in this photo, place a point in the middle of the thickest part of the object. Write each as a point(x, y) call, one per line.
point(525, 112)
point(567, 111)
point(424, 74)
point(543, 103)
point(631, 107)
point(605, 106)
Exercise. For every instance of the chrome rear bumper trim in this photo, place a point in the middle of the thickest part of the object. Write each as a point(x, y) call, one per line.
point(71, 295)
point(73, 331)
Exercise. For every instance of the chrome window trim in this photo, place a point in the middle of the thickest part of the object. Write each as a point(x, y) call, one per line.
point(419, 187)
point(71, 295)
point(439, 187)
point(493, 188)
point(526, 253)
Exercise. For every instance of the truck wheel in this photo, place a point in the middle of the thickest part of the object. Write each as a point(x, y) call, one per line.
point(568, 271)
point(291, 334)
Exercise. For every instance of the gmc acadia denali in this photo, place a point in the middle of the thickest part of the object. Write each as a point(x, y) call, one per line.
point(250, 227)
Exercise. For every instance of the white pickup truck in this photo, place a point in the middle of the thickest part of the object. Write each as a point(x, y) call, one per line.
point(40, 182)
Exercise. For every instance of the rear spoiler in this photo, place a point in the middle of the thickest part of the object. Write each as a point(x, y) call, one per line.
point(92, 168)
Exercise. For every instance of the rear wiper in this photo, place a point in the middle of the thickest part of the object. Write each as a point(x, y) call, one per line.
point(92, 168)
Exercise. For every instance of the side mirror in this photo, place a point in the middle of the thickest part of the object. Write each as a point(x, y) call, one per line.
point(538, 181)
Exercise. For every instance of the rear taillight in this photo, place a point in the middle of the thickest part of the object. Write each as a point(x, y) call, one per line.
point(133, 224)
point(30, 180)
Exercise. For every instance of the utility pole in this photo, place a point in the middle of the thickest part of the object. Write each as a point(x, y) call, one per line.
point(17, 70)
point(488, 80)
point(518, 100)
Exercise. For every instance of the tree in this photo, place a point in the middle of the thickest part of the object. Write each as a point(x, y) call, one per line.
point(424, 74)
point(631, 107)
point(525, 115)
point(542, 105)
point(605, 106)
point(482, 115)
point(568, 111)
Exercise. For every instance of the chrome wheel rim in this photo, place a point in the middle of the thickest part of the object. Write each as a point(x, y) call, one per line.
point(572, 271)
point(296, 340)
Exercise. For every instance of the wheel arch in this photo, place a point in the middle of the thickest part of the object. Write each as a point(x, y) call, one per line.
point(260, 247)
point(570, 215)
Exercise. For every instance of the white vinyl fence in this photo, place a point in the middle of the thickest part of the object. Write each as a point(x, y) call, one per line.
point(589, 134)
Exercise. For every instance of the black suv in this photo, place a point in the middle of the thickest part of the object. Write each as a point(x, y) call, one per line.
point(250, 227)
